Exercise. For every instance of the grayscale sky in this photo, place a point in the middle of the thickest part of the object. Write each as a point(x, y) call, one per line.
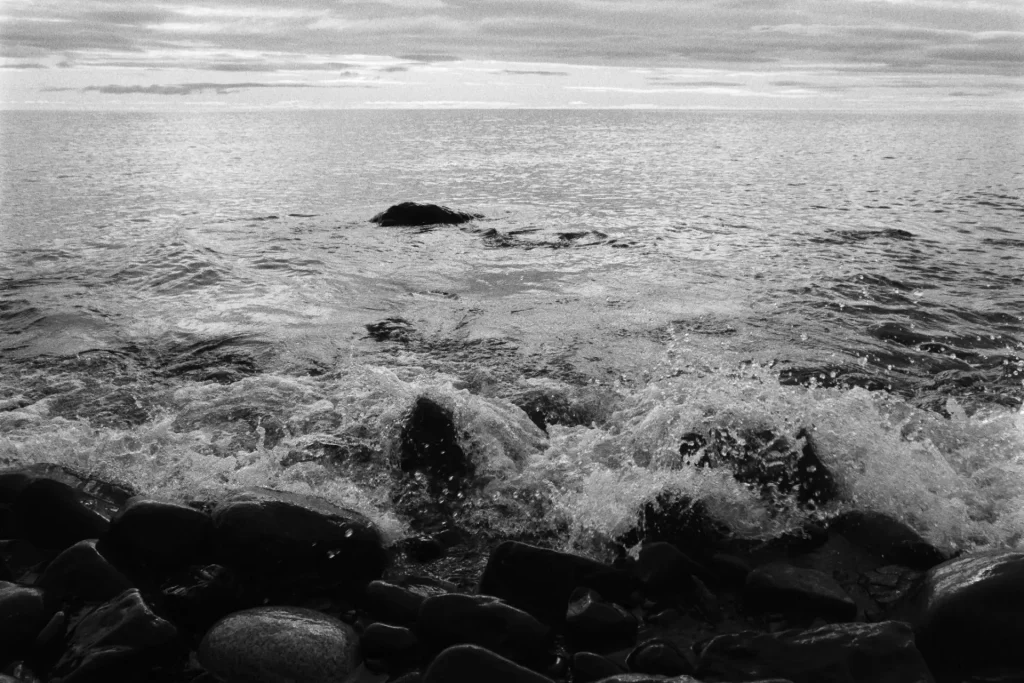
point(791, 54)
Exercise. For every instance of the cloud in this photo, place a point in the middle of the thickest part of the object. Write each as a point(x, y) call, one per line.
point(526, 72)
point(182, 88)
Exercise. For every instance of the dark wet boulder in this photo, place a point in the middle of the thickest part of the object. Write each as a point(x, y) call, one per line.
point(764, 459)
point(391, 329)
point(474, 664)
point(540, 580)
point(415, 214)
point(158, 535)
point(389, 648)
point(262, 532)
point(555, 406)
point(968, 616)
point(197, 597)
point(459, 619)
point(851, 653)
point(22, 615)
point(679, 520)
point(588, 667)
point(82, 573)
point(22, 561)
point(395, 604)
point(52, 514)
point(430, 445)
point(120, 640)
point(890, 539)
point(280, 645)
point(781, 587)
point(592, 623)
point(665, 570)
point(659, 656)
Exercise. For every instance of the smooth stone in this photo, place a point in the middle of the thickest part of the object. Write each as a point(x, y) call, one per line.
point(158, 534)
point(201, 595)
point(482, 620)
point(541, 581)
point(82, 572)
point(890, 539)
point(851, 653)
point(659, 656)
point(395, 646)
point(588, 667)
point(22, 615)
point(280, 645)
point(396, 604)
point(474, 664)
point(665, 570)
point(415, 214)
point(275, 533)
point(780, 587)
point(594, 624)
point(50, 514)
point(119, 640)
point(969, 616)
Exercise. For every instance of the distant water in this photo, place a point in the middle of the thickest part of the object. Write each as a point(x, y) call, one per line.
point(184, 302)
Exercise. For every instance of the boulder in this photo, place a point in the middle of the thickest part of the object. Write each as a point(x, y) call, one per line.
point(780, 587)
point(458, 619)
point(158, 534)
point(892, 541)
point(659, 656)
point(82, 573)
point(415, 214)
point(430, 444)
point(119, 640)
point(389, 648)
point(201, 595)
point(51, 514)
point(282, 535)
point(473, 664)
point(680, 520)
point(280, 645)
point(22, 616)
point(394, 604)
point(968, 616)
point(594, 624)
point(588, 667)
point(851, 653)
point(665, 570)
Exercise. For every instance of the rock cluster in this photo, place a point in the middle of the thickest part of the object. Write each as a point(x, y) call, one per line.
point(263, 586)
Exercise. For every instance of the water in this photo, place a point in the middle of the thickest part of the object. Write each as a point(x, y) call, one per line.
point(184, 301)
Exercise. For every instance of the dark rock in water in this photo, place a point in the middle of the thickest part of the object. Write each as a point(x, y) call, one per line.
point(893, 541)
point(82, 573)
point(396, 604)
point(780, 587)
point(52, 515)
point(120, 640)
point(679, 520)
point(473, 664)
point(391, 329)
point(279, 534)
point(551, 407)
point(200, 596)
point(969, 616)
point(157, 534)
point(665, 570)
point(458, 619)
point(594, 624)
point(766, 460)
point(588, 667)
point(541, 581)
point(659, 656)
point(430, 445)
point(414, 214)
point(389, 648)
point(851, 653)
point(22, 616)
point(280, 645)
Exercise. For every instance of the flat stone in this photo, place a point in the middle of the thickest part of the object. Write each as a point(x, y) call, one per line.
point(780, 587)
point(851, 653)
point(474, 664)
point(280, 645)
point(969, 616)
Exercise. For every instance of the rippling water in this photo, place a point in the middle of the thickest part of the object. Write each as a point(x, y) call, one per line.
point(184, 298)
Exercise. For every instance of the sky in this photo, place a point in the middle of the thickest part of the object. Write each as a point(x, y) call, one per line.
point(745, 54)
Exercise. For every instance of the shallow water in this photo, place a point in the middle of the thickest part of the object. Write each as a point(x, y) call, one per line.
point(185, 298)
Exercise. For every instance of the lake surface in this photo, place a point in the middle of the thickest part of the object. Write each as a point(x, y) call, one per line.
point(185, 301)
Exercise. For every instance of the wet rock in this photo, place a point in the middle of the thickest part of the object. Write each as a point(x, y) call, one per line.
point(659, 656)
point(280, 645)
point(119, 640)
point(458, 619)
point(22, 561)
point(852, 653)
point(52, 515)
point(594, 624)
point(647, 678)
point(22, 615)
point(157, 534)
point(389, 648)
point(541, 581)
point(391, 329)
point(82, 573)
point(430, 444)
point(780, 587)
point(679, 520)
point(415, 214)
point(891, 540)
point(472, 664)
point(968, 616)
point(665, 570)
point(394, 604)
point(588, 667)
point(766, 460)
point(199, 596)
point(550, 406)
point(279, 534)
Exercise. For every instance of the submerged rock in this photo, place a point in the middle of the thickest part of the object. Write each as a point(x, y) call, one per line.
point(969, 616)
point(430, 444)
point(414, 214)
point(280, 645)
point(852, 653)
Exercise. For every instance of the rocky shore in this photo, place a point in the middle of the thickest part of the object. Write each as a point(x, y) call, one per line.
point(100, 583)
